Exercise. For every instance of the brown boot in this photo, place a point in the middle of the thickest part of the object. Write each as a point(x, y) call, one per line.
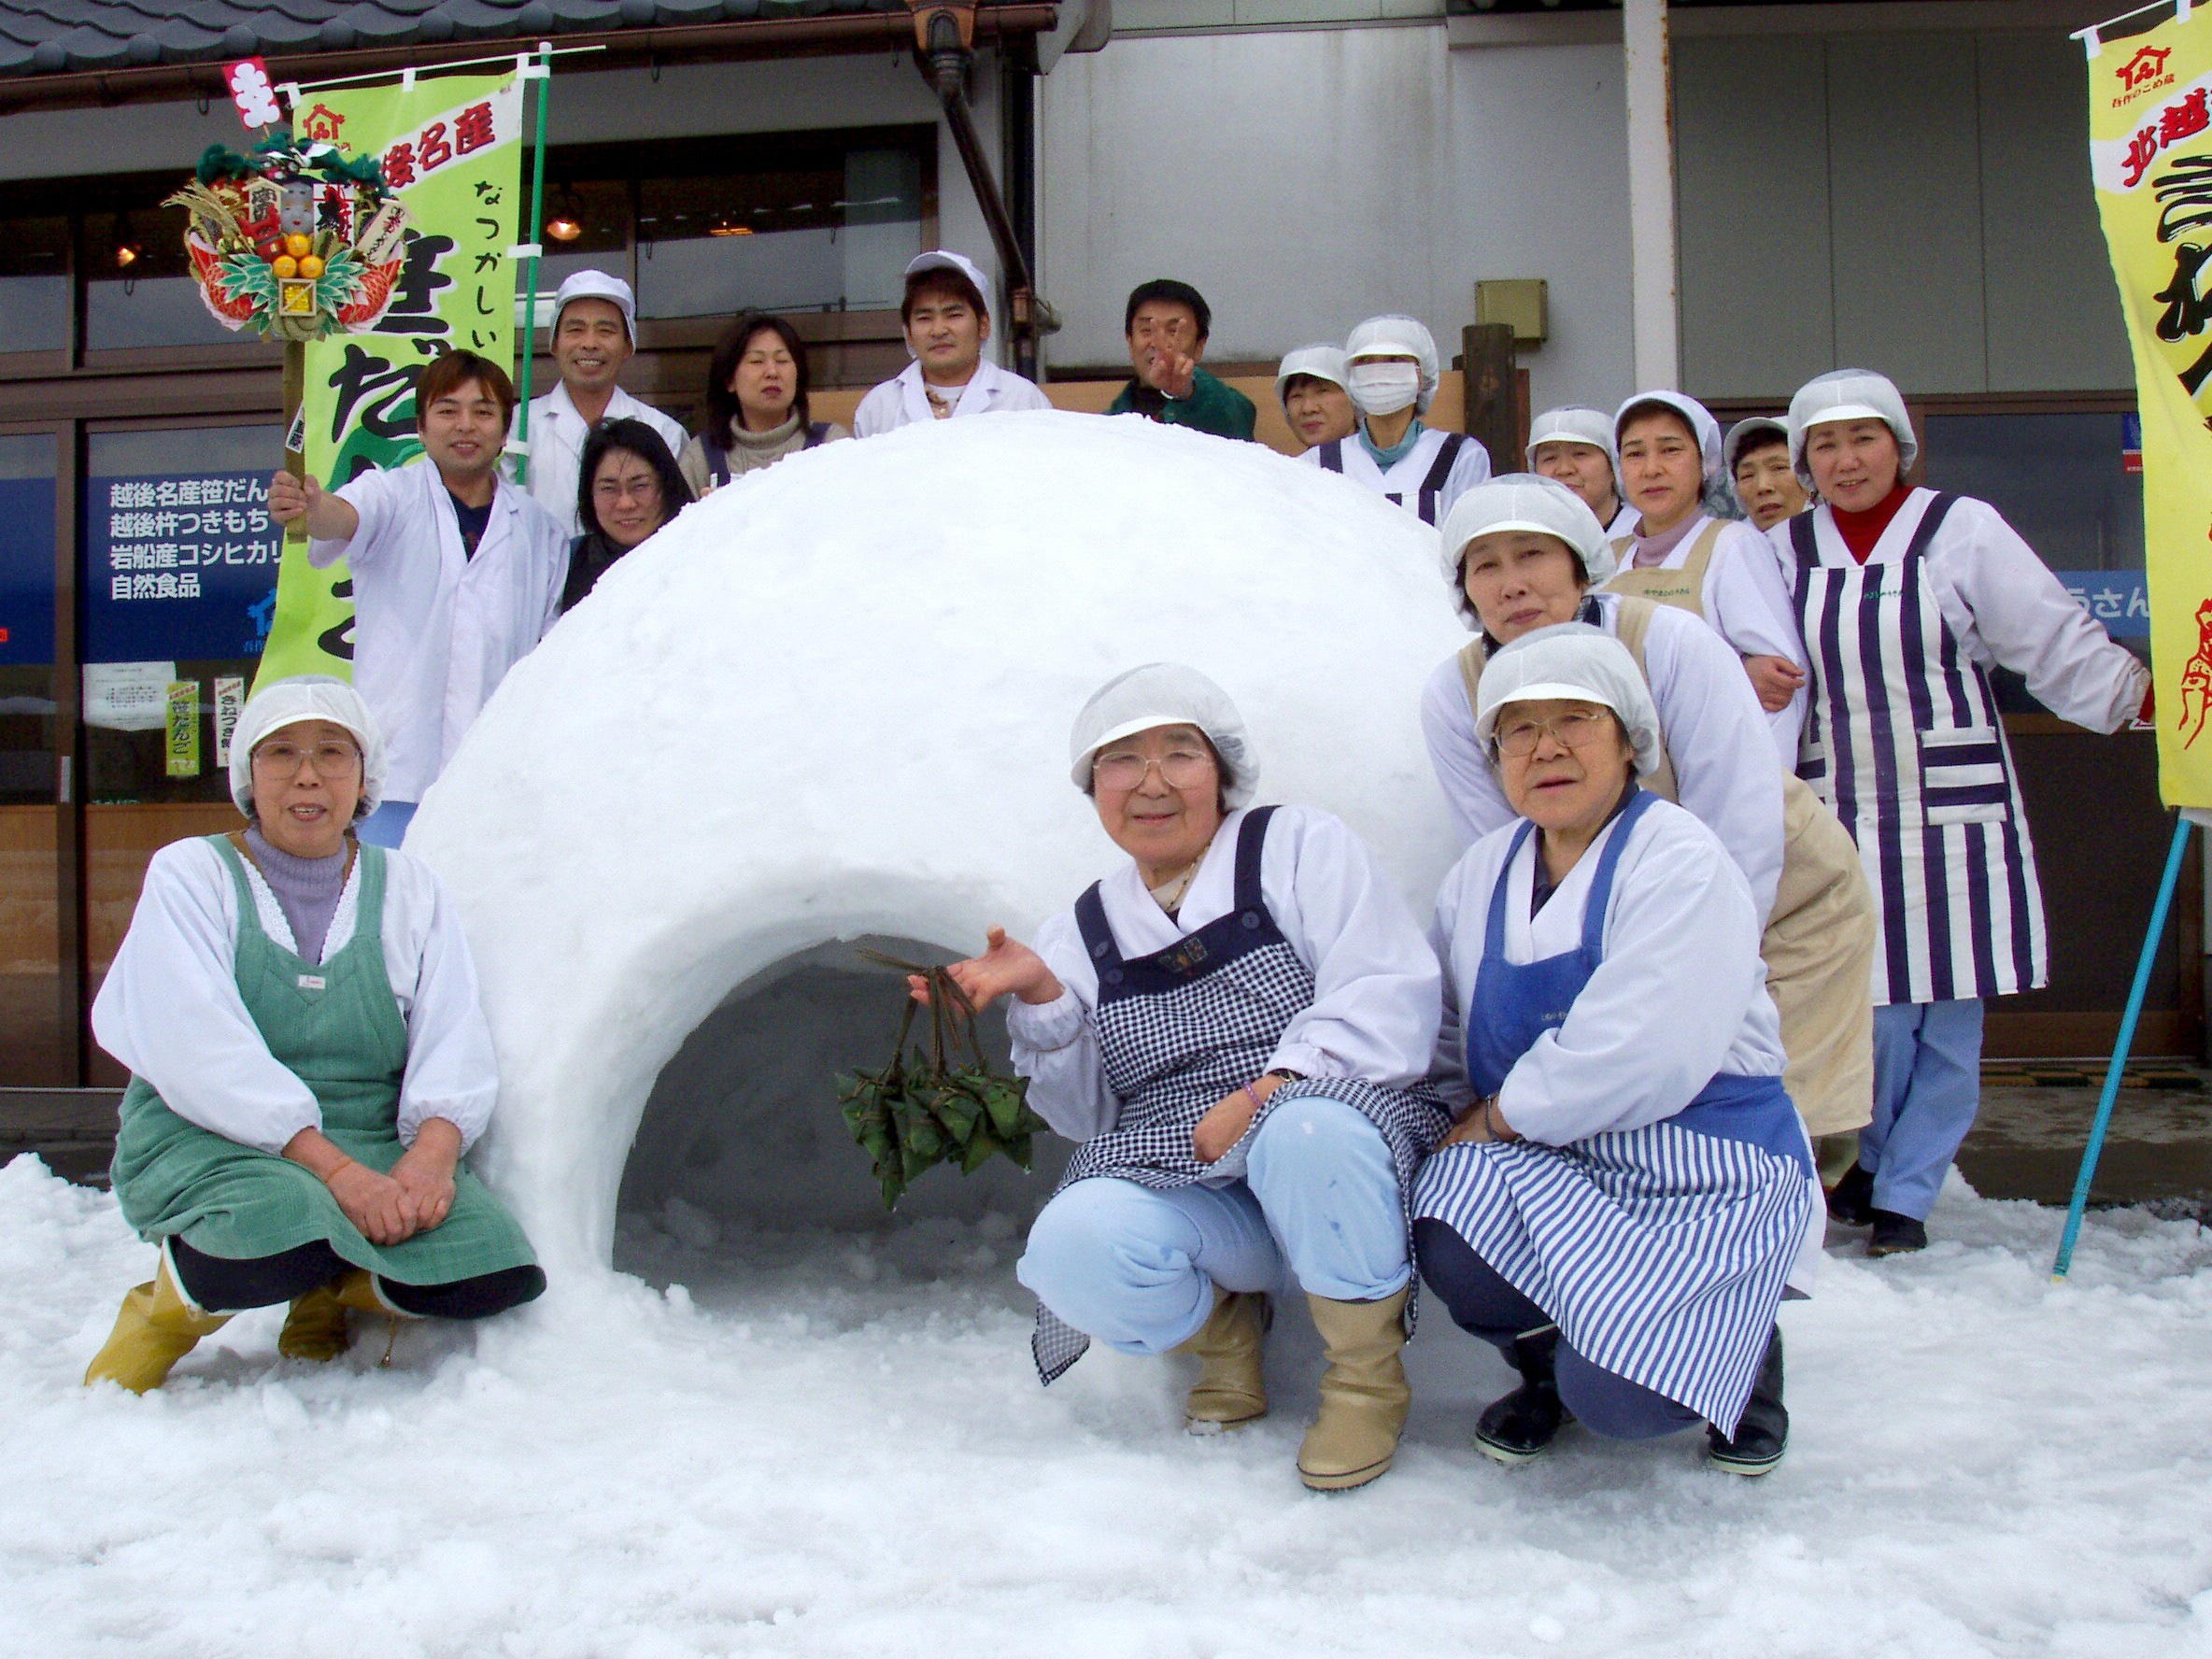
point(157, 1326)
point(1364, 1394)
point(315, 1326)
point(1230, 1392)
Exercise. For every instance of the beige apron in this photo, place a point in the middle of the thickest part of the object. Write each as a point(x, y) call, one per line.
point(1819, 940)
point(1683, 588)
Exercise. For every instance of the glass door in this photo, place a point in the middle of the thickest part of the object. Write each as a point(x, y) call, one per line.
point(37, 969)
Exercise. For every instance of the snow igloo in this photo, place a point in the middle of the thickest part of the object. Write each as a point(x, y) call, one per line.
point(830, 704)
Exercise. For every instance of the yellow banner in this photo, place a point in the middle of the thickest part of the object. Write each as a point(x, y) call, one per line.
point(2151, 151)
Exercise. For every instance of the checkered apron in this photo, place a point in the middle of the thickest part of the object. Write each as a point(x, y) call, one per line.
point(1180, 1030)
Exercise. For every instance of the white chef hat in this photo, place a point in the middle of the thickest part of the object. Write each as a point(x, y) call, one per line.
point(1572, 423)
point(1323, 362)
point(1849, 394)
point(1702, 424)
point(1522, 501)
point(307, 697)
point(1741, 435)
point(945, 259)
point(1572, 660)
point(597, 285)
point(1166, 694)
point(1394, 335)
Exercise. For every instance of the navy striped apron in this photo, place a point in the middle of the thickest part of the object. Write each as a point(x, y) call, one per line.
point(1661, 1252)
point(1182, 1030)
point(1432, 487)
point(1905, 746)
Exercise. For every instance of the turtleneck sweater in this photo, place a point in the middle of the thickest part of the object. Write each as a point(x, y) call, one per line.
point(306, 889)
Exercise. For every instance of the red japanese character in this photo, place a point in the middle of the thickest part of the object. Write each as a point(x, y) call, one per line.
point(399, 166)
point(2142, 151)
point(2184, 119)
point(472, 128)
point(432, 149)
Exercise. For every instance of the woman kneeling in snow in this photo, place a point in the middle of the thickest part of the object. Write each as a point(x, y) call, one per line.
point(1235, 1024)
point(1620, 1206)
point(308, 1063)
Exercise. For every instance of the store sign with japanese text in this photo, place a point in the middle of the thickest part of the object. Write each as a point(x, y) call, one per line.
point(452, 150)
point(178, 567)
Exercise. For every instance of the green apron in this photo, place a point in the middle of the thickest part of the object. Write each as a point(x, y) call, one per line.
point(337, 1027)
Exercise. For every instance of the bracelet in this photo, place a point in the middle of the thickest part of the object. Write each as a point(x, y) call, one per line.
point(1253, 1095)
point(337, 1170)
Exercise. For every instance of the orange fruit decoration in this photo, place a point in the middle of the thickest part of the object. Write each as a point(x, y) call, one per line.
point(285, 265)
point(310, 267)
point(298, 245)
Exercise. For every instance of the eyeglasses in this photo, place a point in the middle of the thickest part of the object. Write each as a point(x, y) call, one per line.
point(1575, 729)
point(1181, 769)
point(284, 759)
point(614, 490)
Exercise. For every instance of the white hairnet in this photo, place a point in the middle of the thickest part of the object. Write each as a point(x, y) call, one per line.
point(1741, 435)
point(1849, 394)
point(306, 697)
point(1702, 424)
point(1522, 501)
point(1323, 362)
point(1573, 423)
point(1572, 659)
point(1392, 335)
point(1166, 694)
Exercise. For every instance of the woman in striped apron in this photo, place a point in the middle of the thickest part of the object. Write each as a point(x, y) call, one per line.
point(308, 1064)
point(1519, 554)
point(1908, 598)
point(1628, 1189)
point(1392, 376)
point(1236, 1025)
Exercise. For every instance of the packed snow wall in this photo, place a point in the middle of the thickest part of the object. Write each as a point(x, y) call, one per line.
point(832, 700)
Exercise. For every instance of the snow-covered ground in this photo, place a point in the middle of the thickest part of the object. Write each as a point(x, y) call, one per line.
point(834, 1445)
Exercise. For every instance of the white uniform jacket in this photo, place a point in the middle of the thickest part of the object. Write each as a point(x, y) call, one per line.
point(1715, 732)
point(170, 1010)
point(1375, 985)
point(1746, 600)
point(1624, 522)
point(556, 439)
point(435, 629)
point(1408, 482)
point(900, 401)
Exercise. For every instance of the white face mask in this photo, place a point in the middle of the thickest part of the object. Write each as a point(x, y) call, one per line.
point(1383, 388)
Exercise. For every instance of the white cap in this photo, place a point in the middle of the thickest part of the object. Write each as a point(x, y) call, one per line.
point(1394, 335)
point(1575, 661)
point(306, 697)
point(1572, 423)
point(1849, 394)
point(1702, 424)
point(944, 258)
point(597, 285)
point(1323, 362)
point(1743, 431)
point(1522, 501)
point(1165, 694)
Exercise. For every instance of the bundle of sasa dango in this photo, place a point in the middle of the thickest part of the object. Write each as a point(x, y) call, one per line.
point(929, 1110)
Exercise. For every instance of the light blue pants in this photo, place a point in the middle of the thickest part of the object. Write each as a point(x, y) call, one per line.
point(1136, 1268)
point(386, 827)
point(1927, 1086)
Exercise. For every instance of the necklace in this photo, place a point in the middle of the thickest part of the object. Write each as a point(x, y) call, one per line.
point(1170, 893)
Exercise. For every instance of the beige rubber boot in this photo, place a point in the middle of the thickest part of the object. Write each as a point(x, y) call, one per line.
point(356, 1288)
point(1364, 1393)
point(157, 1326)
point(1230, 1390)
point(315, 1326)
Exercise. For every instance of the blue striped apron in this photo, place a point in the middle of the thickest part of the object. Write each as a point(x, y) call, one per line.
point(1905, 746)
point(1432, 485)
point(1660, 1252)
point(1182, 1030)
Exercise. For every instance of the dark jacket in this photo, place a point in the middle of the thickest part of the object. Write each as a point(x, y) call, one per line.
point(1212, 407)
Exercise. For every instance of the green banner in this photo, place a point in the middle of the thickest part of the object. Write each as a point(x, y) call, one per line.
point(452, 150)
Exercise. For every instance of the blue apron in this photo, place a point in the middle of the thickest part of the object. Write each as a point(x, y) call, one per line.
point(1661, 1252)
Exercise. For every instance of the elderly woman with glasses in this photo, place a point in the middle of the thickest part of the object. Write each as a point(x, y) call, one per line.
point(308, 1065)
point(1628, 1189)
point(1235, 1024)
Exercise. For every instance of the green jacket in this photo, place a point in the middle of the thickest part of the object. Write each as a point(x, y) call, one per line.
point(1212, 407)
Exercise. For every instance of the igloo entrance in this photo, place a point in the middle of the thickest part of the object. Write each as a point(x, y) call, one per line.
point(743, 1133)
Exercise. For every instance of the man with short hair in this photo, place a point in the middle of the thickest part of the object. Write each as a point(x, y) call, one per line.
point(455, 574)
point(1167, 324)
point(594, 333)
point(947, 325)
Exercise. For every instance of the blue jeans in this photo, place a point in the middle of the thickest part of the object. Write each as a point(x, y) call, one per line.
point(386, 827)
point(1927, 1086)
point(1135, 1268)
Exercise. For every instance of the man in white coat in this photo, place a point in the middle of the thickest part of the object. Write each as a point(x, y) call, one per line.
point(455, 574)
point(948, 323)
point(594, 335)
point(1393, 376)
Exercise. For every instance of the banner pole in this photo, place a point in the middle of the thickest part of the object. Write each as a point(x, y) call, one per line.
point(2119, 1050)
point(544, 75)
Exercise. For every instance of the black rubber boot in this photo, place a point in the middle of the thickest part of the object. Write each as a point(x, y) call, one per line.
point(1762, 1432)
point(1522, 1424)
point(1895, 1235)
point(1850, 1200)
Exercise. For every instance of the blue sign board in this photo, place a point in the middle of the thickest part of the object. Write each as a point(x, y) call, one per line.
point(178, 567)
point(2121, 599)
point(26, 569)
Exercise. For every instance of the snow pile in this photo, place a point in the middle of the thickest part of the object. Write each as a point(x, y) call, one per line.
point(840, 1449)
point(833, 699)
